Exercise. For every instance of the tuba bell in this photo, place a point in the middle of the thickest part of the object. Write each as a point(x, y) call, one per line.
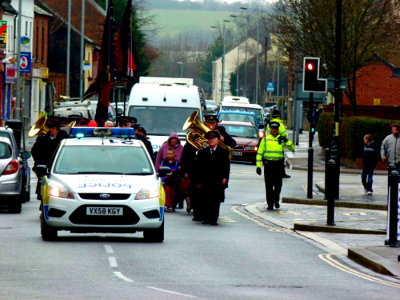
point(196, 136)
point(39, 128)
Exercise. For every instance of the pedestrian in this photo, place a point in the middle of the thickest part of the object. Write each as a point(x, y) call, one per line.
point(211, 121)
point(45, 147)
point(171, 181)
point(173, 142)
point(271, 154)
point(141, 135)
point(211, 176)
point(276, 117)
point(187, 187)
point(370, 158)
point(390, 149)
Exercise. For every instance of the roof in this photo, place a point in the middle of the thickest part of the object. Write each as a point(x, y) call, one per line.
point(40, 11)
point(377, 58)
point(236, 123)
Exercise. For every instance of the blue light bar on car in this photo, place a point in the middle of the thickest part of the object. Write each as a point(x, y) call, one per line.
point(80, 132)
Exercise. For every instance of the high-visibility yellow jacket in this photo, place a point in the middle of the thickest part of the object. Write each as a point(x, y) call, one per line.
point(282, 129)
point(272, 149)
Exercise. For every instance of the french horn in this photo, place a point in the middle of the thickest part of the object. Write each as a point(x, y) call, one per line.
point(39, 128)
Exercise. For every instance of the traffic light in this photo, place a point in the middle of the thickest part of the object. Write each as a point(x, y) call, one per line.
point(311, 81)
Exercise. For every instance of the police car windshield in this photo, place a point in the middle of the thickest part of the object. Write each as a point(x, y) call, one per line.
point(102, 160)
point(161, 120)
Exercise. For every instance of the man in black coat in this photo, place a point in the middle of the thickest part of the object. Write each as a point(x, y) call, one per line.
point(211, 176)
point(45, 147)
point(211, 121)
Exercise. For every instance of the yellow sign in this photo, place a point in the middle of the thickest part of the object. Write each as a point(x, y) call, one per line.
point(45, 72)
point(377, 101)
point(3, 34)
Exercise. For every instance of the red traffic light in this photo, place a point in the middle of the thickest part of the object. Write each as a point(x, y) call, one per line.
point(310, 66)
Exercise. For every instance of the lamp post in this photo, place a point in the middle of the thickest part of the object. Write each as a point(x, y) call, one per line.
point(181, 63)
point(238, 65)
point(223, 61)
point(245, 54)
point(213, 92)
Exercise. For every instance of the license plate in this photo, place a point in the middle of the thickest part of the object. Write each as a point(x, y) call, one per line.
point(104, 211)
point(236, 153)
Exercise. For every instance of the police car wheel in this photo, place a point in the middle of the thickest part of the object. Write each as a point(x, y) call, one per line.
point(155, 235)
point(48, 233)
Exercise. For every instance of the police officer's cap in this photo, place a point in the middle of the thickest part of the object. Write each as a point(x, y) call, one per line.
point(54, 121)
point(275, 113)
point(127, 119)
point(212, 134)
point(211, 118)
point(274, 125)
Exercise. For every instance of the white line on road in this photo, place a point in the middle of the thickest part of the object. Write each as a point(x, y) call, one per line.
point(113, 262)
point(171, 292)
point(123, 277)
point(108, 248)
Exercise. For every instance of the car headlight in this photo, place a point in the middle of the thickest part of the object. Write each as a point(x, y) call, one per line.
point(57, 190)
point(147, 193)
point(250, 148)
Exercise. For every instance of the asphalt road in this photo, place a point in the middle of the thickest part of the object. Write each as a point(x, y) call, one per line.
point(242, 258)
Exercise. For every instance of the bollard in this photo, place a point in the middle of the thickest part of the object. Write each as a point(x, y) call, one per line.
point(327, 158)
point(330, 192)
point(393, 213)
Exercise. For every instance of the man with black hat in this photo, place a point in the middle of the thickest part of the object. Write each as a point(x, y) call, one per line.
point(211, 121)
point(271, 154)
point(276, 117)
point(45, 146)
point(211, 176)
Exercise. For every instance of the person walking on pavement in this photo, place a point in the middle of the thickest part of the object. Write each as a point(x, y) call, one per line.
point(211, 121)
point(271, 154)
point(276, 117)
point(211, 176)
point(370, 158)
point(390, 149)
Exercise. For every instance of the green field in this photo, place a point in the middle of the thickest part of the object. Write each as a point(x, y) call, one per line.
point(173, 22)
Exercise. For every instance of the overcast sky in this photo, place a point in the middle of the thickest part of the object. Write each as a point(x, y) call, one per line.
point(232, 1)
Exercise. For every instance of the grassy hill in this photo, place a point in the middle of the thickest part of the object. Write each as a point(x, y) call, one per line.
point(174, 21)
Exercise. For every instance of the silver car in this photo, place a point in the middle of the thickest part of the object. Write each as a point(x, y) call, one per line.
point(14, 172)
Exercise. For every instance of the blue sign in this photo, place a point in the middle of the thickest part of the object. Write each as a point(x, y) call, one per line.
point(270, 87)
point(25, 63)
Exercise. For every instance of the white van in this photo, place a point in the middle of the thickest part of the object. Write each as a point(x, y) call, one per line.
point(235, 99)
point(163, 108)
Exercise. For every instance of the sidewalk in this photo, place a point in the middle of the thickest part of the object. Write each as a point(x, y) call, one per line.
point(360, 220)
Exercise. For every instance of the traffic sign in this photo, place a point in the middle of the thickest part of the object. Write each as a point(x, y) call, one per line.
point(270, 87)
point(25, 63)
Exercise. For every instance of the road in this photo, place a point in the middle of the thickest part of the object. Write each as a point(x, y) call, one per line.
point(242, 258)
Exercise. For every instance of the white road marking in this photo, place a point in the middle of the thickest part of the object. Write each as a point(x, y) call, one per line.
point(113, 262)
point(171, 292)
point(122, 276)
point(108, 248)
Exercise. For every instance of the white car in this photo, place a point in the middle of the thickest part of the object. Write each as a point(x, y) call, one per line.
point(102, 183)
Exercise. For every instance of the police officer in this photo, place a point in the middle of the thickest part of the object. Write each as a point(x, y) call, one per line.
point(271, 154)
point(276, 117)
point(211, 121)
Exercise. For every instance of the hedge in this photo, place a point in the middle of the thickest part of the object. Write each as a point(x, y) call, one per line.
point(351, 133)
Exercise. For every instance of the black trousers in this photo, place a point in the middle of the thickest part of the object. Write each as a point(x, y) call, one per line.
point(273, 172)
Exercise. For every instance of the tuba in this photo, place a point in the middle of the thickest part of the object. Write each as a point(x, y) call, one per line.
point(199, 129)
point(39, 128)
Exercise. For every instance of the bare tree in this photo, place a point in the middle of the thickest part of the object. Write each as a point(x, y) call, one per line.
point(369, 27)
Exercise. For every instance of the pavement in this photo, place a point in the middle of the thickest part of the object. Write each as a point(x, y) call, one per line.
point(360, 221)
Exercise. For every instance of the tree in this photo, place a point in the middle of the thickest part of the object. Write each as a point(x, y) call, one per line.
point(368, 27)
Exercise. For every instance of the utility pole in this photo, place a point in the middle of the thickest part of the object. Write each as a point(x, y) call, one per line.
point(18, 87)
point(68, 48)
point(81, 82)
point(257, 59)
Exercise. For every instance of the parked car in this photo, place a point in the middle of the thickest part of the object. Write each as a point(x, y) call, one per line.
point(246, 136)
point(14, 172)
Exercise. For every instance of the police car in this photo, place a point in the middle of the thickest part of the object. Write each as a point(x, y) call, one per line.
point(102, 183)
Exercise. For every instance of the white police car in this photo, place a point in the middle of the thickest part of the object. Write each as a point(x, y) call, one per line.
point(102, 183)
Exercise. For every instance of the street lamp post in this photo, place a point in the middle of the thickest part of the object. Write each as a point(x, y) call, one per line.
point(181, 63)
point(245, 54)
point(238, 65)
point(223, 61)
